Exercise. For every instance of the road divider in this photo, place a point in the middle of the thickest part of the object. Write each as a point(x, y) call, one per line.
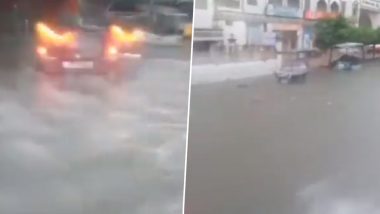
point(211, 73)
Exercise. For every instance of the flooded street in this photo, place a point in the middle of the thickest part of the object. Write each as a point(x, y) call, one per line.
point(256, 146)
point(82, 144)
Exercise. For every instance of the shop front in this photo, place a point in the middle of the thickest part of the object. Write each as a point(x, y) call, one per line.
point(290, 35)
point(286, 23)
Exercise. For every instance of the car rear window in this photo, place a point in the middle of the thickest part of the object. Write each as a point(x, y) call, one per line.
point(69, 20)
point(125, 6)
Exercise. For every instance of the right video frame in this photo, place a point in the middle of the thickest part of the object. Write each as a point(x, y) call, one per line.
point(284, 115)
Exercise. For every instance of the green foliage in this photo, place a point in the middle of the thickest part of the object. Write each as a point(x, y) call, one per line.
point(335, 31)
point(331, 31)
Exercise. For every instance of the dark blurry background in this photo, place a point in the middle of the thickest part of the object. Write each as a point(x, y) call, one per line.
point(17, 18)
point(18, 15)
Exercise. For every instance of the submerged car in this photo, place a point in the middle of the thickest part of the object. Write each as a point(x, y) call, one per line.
point(69, 45)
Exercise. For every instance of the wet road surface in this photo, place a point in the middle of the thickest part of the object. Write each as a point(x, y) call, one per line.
point(256, 146)
point(83, 144)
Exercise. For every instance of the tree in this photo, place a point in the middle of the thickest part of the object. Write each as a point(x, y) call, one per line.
point(330, 32)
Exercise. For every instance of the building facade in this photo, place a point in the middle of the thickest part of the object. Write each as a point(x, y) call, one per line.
point(370, 13)
point(206, 30)
point(268, 22)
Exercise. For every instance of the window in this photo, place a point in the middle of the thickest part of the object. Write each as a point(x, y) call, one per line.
point(252, 2)
point(343, 7)
point(321, 5)
point(187, 7)
point(229, 3)
point(123, 6)
point(294, 3)
point(275, 2)
point(201, 4)
point(334, 7)
point(69, 20)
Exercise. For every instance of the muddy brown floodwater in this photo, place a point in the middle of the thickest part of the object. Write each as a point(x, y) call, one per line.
point(259, 147)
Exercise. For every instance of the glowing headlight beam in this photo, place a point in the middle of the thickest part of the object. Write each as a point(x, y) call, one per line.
point(50, 35)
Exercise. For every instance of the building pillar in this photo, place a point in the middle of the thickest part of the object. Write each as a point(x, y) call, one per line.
point(375, 20)
point(300, 38)
point(279, 49)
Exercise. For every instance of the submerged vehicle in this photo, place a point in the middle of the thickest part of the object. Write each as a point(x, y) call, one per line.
point(348, 60)
point(67, 44)
point(294, 67)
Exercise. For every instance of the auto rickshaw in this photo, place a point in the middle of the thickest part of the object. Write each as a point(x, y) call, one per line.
point(351, 55)
point(294, 66)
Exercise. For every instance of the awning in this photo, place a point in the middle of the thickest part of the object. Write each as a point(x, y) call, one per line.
point(208, 35)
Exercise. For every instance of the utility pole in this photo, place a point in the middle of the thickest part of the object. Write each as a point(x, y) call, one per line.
point(151, 6)
point(152, 14)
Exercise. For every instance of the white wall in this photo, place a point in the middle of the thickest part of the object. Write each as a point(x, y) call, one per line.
point(204, 18)
point(237, 28)
point(349, 8)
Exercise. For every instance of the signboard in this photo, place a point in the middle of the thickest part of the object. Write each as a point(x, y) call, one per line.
point(317, 15)
point(288, 12)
